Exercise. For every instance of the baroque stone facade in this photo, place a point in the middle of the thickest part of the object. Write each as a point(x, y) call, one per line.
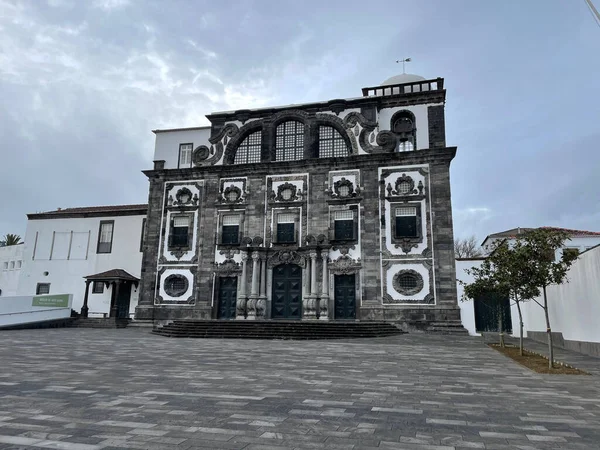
point(337, 210)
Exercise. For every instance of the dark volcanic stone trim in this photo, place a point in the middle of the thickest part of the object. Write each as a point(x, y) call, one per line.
point(437, 127)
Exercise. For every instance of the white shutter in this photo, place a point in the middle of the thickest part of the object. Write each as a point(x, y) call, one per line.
point(181, 221)
point(286, 218)
point(343, 215)
point(406, 211)
point(231, 219)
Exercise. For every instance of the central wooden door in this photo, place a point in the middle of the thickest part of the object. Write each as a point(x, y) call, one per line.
point(123, 300)
point(345, 297)
point(227, 298)
point(287, 292)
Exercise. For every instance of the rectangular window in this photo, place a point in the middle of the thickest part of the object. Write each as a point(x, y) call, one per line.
point(12, 265)
point(286, 232)
point(230, 233)
point(143, 235)
point(185, 156)
point(19, 263)
point(42, 289)
point(97, 287)
point(105, 236)
point(180, 231)
point(5, 266)
point(406, 222)
point(344, 226)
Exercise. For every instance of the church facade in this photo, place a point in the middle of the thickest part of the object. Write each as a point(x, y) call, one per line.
point(337, 210)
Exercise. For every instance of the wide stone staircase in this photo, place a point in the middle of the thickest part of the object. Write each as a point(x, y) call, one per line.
point(237, 329)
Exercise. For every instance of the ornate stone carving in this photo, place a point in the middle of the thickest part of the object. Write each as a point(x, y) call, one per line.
point(385, 140)
point(400, 184)
point(240, 307)
point(411, 276)
point(228, 268)
point(294, 195)
point(261, 306)
point(200, 154)
point(407, 244)
point(344, 265)
point(286, 257)
point(232, 194)
point(257, 241)
point(338, 188)
point(183, 197)
point(178, 253)
point(343, 248)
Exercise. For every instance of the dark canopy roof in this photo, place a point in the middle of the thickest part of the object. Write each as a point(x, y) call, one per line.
point(113, 275)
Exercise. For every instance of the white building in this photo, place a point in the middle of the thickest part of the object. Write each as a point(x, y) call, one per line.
point(574, 306)
point(102, 244)
point(11, 262)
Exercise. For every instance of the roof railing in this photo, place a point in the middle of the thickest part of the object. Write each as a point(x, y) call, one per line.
point(405, 88)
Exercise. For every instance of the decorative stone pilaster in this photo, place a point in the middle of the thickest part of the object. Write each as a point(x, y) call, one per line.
point(252, 300)
point(261, 304)
point(324, 301)
point(241, 300)
point(310, 303)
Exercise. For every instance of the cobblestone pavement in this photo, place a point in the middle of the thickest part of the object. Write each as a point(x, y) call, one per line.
point(85, 389)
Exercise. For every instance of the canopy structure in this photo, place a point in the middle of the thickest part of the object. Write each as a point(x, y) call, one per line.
point(118, 279)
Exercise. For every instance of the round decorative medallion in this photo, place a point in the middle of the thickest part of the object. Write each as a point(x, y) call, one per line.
point(232, 194)
point(176, 285)
point(408, 282)
point(184, 196)
point(287, 194)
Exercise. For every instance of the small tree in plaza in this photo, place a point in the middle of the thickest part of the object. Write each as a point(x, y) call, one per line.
point(545, 269)
point(504, 274)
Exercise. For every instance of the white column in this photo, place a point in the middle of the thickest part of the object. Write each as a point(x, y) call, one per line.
point(324, 301)
point(241, 301)
point(251, 305)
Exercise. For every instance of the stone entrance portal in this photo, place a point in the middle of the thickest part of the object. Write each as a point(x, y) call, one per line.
point(287, 292)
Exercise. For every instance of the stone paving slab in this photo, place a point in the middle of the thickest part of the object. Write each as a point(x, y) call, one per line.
point(88, 389)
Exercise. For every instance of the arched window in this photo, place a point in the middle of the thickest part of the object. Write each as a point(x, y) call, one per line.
point(331, 143)
point(249, 150)
point(404, 127)
point(289, 141)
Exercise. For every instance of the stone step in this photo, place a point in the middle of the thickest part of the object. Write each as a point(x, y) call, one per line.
point(237, 329)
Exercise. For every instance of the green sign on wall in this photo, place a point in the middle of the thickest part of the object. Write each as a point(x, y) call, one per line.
point(52, 301)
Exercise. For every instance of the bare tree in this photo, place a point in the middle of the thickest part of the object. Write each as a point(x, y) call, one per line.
point(467, 248)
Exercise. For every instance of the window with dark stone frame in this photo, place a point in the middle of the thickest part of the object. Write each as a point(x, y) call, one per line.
point(97, 287)
point(406, 222)
point(179, 236)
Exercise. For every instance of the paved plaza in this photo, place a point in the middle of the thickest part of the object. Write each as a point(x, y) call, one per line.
point(85, 389)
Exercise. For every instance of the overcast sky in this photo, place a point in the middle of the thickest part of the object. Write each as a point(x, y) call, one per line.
point(83, 83)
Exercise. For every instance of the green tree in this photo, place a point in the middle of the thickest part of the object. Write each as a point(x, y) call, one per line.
point(11, 239)
point(540, 248)
point(505, 273)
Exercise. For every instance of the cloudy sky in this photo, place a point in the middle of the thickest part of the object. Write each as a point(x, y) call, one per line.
point(82, 83)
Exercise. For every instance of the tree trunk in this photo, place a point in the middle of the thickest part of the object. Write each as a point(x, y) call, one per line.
point(500, 325)
point(549, 332)
point(520, 327)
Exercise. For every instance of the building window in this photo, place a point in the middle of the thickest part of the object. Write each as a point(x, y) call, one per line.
point(143, 235)
point(185, 156)
point(12, 265)
point(230, 232)
point(180, 231)
point(97, 287)
point(5, 266)
point(286, 228)
point(331, 143)
point(19, 264)
point(344, 225)
point(404, 187)
point(289, 141)
point(408, 282)
point(249, 150)
point(42, 289)
point(403, 126)
point(105, 236)
point(176, 285)
point(406, 222)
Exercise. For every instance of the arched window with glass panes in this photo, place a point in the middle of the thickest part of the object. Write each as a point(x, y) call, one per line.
point(289, 141)
point(403, 126)
point(331, 143)
point(249, 150)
